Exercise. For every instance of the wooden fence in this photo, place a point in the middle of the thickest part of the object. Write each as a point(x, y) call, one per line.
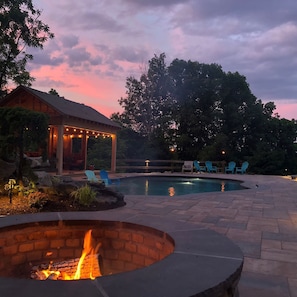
point(143, 165)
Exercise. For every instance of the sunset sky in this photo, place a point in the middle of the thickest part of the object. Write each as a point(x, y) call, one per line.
point(99, 43)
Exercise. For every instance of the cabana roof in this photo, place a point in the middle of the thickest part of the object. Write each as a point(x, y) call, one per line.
point(63, 107)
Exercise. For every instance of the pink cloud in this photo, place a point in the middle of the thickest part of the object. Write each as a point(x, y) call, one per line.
point(287, 110)
point(99, 92)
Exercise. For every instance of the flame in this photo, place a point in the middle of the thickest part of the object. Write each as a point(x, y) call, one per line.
point(88, 249)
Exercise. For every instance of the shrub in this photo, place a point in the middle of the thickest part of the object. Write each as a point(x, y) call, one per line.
point(84, 195)
point(37, 199)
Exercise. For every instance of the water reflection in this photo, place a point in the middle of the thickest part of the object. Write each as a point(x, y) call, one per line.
point(171, 191)
point(146, 188)
point(222, 186)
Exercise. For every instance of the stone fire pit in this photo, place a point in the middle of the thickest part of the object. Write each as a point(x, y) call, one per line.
point(163, 258)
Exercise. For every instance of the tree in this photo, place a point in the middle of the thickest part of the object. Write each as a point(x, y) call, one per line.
point(242, 116)
point(148, 105)
point(147, 101)
point(53, 92)
point(21, 129)
point(20, 28)
point(204, 113)
point(275, 152)
point(197, 96)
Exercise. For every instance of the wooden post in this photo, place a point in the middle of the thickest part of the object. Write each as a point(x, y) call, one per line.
point(86, 139)
point(113, 152)
point(60, 149)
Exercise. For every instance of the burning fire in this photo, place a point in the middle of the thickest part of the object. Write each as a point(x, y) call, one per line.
point(89, 254)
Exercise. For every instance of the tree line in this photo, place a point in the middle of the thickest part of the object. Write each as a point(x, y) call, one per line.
point(190, 110)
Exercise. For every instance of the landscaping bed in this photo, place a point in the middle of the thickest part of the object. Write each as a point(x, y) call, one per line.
point(57, 197)
point(55, 203)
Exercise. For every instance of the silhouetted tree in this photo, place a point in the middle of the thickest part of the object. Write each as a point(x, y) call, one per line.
point(205, 113)
point(197, 91)
point(20, 28)
point(19, 129)
point(53, 92)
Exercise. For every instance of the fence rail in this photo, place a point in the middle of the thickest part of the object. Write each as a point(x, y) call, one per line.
point(146, 165)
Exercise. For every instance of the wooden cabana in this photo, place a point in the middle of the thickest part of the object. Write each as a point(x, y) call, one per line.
point(70, 126)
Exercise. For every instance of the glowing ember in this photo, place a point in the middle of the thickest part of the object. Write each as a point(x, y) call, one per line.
point(88, 261)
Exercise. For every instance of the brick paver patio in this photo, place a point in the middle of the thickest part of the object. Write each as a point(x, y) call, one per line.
point(262, 220)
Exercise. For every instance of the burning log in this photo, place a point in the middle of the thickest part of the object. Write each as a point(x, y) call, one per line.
point(67, 270)
point(85, 267)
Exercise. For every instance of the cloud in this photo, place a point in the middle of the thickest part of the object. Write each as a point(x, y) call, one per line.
point(130, 54)
point(69, 41)
point(78, 56)
point(111, 40)
point(42, 58)
point(49, 55)
point(154, 3)
point(94, 21)
point(255, 39)
point(47, 83)
point(85, 16)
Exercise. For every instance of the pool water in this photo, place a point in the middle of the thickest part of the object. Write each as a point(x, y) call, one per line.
point(174, 186)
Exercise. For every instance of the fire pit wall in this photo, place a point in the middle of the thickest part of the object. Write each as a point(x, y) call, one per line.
point(124, 246)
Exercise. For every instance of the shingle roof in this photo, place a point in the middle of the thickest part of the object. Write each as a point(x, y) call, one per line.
point(71, 108)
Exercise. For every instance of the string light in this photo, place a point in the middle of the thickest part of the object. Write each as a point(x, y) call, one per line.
point(82, 132)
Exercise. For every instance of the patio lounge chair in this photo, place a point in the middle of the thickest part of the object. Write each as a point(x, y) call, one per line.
point(231, 167)
point(188, 166)
point(91, 176)
point(210, 168)
point(105, 178)
point(243, 168)
point(198, 167)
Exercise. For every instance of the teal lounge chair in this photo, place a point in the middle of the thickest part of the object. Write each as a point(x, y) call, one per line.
point(243, 168)
point(91, 176)
point(210, 168)
point(104, 176)
point(231, 167)
point(198, 167)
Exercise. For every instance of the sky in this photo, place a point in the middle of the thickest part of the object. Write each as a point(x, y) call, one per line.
point(99, 43)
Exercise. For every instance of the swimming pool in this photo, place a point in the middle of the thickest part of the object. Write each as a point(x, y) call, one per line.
point(174, 185)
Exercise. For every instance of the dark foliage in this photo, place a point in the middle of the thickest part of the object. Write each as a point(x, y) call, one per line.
point(203, 113)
